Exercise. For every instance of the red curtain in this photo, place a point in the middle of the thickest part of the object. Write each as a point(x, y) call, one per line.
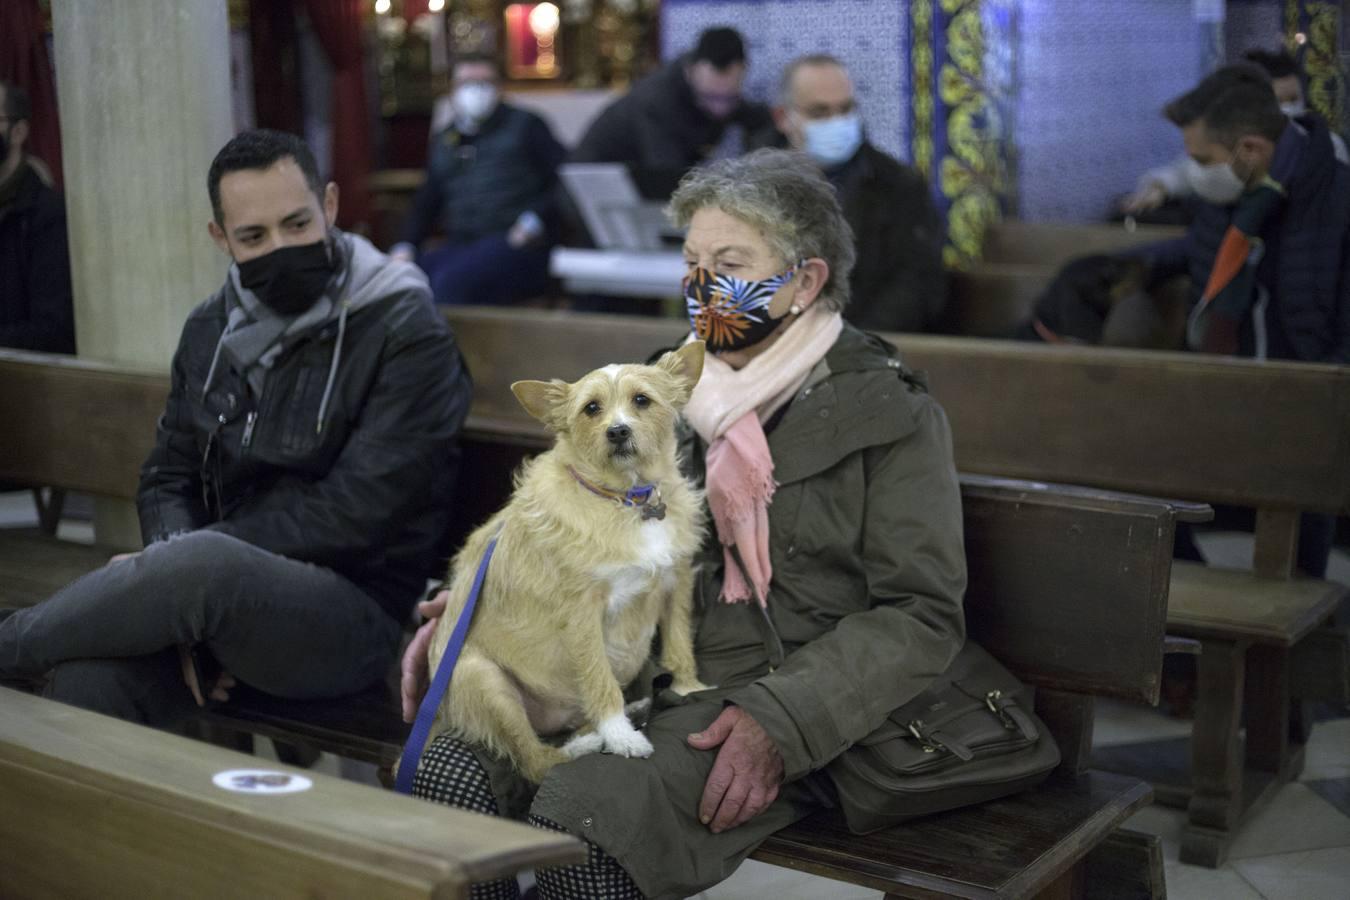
point(23, 61)
point(274, 38)
point(337, 23)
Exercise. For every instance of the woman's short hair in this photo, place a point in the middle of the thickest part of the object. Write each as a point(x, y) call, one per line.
point(784, 195)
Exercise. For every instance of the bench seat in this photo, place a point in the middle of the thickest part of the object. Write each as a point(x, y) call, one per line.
point(36, 565)
point(1006, 848)
point(1209, 602)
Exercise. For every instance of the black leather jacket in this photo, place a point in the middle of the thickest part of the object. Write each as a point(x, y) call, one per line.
point(368, 494)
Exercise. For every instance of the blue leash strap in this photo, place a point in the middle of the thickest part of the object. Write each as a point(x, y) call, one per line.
point(426, 713)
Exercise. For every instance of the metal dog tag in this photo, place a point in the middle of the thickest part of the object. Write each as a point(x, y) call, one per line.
point(653, 511)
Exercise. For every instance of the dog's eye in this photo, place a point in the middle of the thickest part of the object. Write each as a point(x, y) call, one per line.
point(591, 409)
point(642, 401)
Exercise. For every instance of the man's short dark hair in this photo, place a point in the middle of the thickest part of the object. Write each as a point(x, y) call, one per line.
point(260, 148)
point(1233, 101)
point(17, 108)
point(1275, 63)
point(720, 48)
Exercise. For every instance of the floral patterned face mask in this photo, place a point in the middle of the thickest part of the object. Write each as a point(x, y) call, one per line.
point(730, 313)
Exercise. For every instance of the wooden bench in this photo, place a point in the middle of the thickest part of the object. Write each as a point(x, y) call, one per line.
point(96, 807)
point(1274, 436)
point(1046, 570)
point(994, 296)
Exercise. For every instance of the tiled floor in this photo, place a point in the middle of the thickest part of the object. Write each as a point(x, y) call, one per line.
point(1298, 848)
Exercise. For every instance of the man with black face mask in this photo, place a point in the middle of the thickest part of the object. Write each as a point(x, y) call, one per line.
point(299, 488)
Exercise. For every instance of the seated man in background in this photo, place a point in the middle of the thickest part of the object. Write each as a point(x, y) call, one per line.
point(675, 118)
point(491, 185)
point(299, 487)
point(899, 281)
point(36, 311)
point(1173, 181)
point(1268, 254)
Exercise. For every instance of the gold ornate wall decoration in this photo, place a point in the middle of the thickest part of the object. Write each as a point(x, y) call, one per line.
point(1319, 24)
point(921, 68)
point(972, 176)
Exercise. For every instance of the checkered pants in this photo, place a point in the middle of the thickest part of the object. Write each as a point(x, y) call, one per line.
point(449, 773)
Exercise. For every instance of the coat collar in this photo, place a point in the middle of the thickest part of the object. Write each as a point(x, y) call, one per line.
point(863, 398)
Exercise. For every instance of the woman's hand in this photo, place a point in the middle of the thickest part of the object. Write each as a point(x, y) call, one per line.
point(413, 684)
point(745, 778)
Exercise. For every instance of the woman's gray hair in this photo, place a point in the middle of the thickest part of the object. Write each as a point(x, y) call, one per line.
point(783, 194)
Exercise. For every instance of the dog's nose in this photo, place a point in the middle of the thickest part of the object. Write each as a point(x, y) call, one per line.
point(618, 434)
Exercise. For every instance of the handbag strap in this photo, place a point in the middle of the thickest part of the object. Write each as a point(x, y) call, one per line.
point(426, 713)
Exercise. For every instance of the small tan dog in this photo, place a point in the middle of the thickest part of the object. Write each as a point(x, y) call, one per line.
point(581, 577)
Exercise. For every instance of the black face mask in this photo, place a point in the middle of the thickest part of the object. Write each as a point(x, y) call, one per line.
point(289, 280)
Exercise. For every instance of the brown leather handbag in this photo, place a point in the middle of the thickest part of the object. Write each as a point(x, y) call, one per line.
point(971, 736)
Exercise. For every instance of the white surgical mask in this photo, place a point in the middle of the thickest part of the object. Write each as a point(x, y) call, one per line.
point(1294, 110)
point(833, 141)
point(474, 102)
point(1216, 183)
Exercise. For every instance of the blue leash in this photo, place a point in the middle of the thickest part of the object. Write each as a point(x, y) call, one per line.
point(426, 713)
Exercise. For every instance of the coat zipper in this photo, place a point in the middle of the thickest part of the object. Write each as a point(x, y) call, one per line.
point(249, 420)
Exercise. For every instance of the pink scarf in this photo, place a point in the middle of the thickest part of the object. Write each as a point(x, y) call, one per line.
point(728, 409)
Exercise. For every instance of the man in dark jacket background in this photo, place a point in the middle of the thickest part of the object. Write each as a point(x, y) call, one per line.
point(675, 118)
point(491, 186)
point(1268, 252)
point(299, 488)
point(36, 312)
point(898, 283)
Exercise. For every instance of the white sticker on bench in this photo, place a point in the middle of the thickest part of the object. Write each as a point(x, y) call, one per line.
point(261, 781)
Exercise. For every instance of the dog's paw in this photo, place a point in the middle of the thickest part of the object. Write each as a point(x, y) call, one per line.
point(623, 739)
point(692, 686)
point(581, 744)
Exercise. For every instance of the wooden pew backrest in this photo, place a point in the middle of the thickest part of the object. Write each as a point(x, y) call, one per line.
point(1167, 424)
point(1053, 244)
point(45, 399)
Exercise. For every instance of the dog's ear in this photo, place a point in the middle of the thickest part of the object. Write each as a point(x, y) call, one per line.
point(543, 400)
point(685, 365)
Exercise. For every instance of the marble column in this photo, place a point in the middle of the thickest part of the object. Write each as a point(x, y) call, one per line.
point(144, 93)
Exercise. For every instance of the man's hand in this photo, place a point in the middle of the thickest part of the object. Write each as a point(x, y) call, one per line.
point(745, 778)
point(413, 684)
point(220, 691)
point(1147, 198)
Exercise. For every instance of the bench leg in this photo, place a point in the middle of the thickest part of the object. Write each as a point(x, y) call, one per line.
point(1216, 754)
point(1274, 730)
point(49, 508)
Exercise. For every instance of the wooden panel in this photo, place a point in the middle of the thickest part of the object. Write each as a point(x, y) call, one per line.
point(99, 807)
point(75, 424)
point(1011, 847)
point(1168, 424)
point(1211, 602)
point(502, 346)
point(992, 299)
point(1053, 244)
point(1069, 589)
point(1128, 865)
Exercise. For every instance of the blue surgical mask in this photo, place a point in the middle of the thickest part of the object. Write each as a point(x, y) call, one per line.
point(833, 141)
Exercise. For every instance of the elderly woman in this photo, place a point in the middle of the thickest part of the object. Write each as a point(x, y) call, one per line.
point(817, 613)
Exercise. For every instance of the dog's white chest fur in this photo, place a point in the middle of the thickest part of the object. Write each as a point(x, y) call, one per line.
point(655, 559)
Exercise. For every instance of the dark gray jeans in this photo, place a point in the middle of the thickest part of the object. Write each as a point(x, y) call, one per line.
point(110, 638)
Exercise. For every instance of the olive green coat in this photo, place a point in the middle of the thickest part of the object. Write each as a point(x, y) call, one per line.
point(868, 562)
point(864, 610)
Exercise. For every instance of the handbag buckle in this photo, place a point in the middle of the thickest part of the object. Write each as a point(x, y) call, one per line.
point(992, 700)
point(915, 727)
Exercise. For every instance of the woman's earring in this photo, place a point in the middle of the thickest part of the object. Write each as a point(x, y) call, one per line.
point(795, 310)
